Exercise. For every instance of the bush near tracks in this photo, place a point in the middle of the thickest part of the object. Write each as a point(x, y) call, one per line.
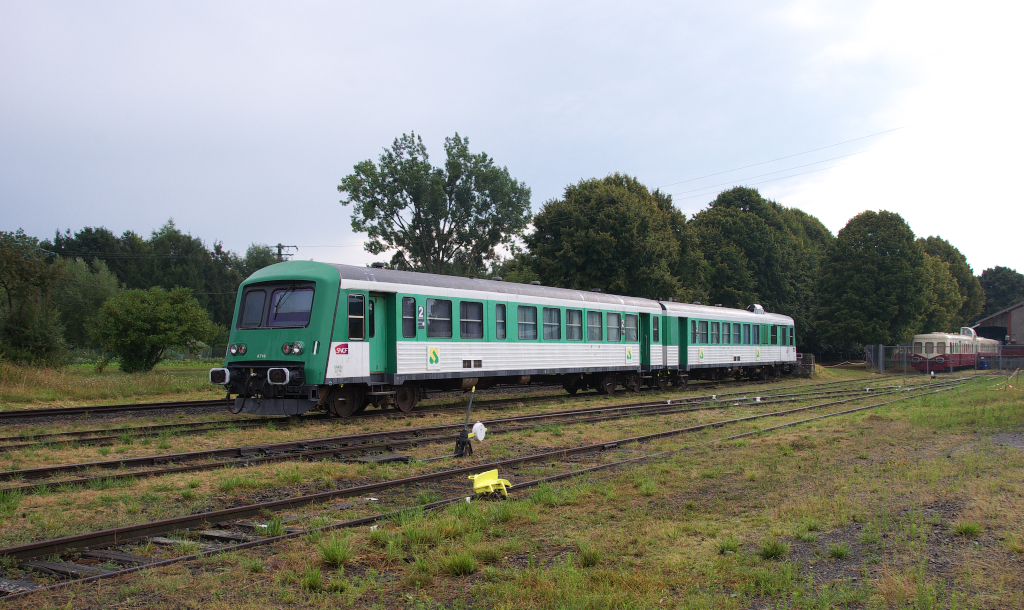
point(138, 325)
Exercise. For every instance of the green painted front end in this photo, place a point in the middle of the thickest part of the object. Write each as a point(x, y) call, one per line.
point(264, 345)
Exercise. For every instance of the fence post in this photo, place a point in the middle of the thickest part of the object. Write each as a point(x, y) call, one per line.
point(881, 358)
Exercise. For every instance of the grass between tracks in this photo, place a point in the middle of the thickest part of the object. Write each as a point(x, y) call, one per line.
point(100, 504)
point(914, 505)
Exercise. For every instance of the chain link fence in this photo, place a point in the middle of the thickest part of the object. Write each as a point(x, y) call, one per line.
point(902, 360)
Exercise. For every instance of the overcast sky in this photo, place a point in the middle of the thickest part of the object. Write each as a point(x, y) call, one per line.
point(238, 119)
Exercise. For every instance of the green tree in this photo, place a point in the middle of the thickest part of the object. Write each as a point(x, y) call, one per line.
point(257, 257)
point(168, 258)
point(613, 234)
point(138, 325)
point(85, 288)
point(942, 308)
point(1003, 287)
point(971, 294)
point(874, 285)
point(30, 328)
point(758, 251)
point(445, 219)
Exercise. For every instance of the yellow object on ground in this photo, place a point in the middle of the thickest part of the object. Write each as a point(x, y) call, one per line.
point(488, 482)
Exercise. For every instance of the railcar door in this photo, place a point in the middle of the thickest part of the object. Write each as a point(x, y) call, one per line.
point(684, 342)
point(377, 333)
point(645, 340)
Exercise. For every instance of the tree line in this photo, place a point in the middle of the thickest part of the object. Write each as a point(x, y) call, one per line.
point(872, 282)
point(132, 296)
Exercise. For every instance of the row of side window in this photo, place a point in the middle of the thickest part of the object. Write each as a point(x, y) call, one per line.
point(703, 332)
point(438, 322)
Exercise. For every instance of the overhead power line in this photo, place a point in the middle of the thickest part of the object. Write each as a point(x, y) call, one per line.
point(772, 179)
point(711, 186)
point(781, 158)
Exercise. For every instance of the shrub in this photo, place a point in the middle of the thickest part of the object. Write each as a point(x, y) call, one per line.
point(773, 548)
point(337, 550)
point(839, 551)
point(138, 325)
point(312, 579)
point(727, 544)
point(969, 529)
point(589, 555)
point(459, 564)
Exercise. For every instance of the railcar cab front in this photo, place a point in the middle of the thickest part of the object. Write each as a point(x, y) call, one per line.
point(276, 356)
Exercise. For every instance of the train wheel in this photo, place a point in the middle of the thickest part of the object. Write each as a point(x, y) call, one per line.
point(763, 376)
point(680, 382)
point(777, 372)
point(607, 384)
point(406, 398)
point(632, 383)
point(661, 381)
point(345, 402)
point(570, 388)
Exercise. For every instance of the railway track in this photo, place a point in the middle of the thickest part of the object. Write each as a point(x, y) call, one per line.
point(100, 436)
point(65, 555)
point(352, 445)
point(30, 414)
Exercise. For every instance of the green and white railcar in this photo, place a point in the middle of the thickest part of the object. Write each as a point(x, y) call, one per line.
point(722, 342)
point(339, 337)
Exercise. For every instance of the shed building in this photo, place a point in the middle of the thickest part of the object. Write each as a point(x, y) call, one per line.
point(1006, 326)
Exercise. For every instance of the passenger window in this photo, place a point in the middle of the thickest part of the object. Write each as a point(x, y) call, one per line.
point(614, 327)
point(929, 348)
point(574, 324)
point(595, 326)
point(756, 339)
point(527, 323)
point(702, 332)
point(714, 333)
point(355, 317)
point(726, 333)
point(290, 308)
point(252, 309)
point(632, 329)
point(940, 348)
point(736, 336)
point(499, 321)
point(471, 320)
point(918, 348)
point(694, 337)
point(746, 334)
point(439, 319)
point(775, 335)
point(654, 330)
point(792, 336)
point(552, 324)
point(408, 317)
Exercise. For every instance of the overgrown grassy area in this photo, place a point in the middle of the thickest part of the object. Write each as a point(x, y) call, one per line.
point(25, 387)
point(915, 505)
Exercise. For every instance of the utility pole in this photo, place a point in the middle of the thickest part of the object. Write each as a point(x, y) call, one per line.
point(281, 254)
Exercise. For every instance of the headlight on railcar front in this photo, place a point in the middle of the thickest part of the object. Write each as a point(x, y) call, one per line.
point(237, 349)
point(292, 348)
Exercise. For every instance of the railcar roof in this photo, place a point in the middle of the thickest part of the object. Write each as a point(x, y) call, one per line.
point(413, 278)
point(692, 310)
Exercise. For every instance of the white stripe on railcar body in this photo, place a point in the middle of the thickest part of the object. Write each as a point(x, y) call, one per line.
point(413, 356)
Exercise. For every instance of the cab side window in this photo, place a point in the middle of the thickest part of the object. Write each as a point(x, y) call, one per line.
point(356, 315)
